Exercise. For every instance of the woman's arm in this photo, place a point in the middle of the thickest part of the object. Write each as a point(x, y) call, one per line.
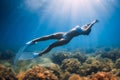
point(88, 27)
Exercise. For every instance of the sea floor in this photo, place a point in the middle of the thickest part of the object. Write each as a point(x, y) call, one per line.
point(77, 64)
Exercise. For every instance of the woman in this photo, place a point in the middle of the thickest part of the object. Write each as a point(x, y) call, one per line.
point(63, 37)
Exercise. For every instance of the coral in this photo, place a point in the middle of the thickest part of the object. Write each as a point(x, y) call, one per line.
point(6, 63)
point(116, 72)
point(106, 65)
point(103, 65)
point(91, 60)
point(8, 54)
point(20, 76)
point(103, 76)
point(64, 75)
point(56, 70)
point(7, 73)
point(92, 65)
point(39, 73)
point(71, 65)
point(75, 77)
point(23, 65)
point(114, 54)
point(117, 63)
point(80, 56)
point(59, 57)
point(26, 64)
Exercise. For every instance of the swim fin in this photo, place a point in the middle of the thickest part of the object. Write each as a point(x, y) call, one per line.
point(20, 52)
point(28, 56)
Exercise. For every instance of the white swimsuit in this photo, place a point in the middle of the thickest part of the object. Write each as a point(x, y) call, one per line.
point(78, 29)
point(75, 29)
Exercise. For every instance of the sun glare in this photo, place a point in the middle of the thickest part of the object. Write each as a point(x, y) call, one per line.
point(34, 4)
point(76, 10)
point(74, 7)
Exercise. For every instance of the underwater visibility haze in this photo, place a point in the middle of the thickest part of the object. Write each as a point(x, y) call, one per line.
point(86, 57)
point(24, 20)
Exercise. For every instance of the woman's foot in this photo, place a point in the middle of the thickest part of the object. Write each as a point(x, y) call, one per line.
point(35, 55)
point(31, 42)
point(40, 54)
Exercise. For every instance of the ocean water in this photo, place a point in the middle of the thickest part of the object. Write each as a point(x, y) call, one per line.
point(24, 20)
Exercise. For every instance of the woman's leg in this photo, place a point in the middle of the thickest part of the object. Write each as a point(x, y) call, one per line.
point(55, 44)
point(52, 36)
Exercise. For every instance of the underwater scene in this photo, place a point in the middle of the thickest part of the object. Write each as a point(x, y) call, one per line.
point(59, 39)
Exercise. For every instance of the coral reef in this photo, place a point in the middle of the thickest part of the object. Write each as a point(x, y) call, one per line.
point(75, 77)
point(104, 64)
point(38, 73)
point(71, 65)
point(59, 57)
point(56, 70)
point(8, 54)
point(6, 63)
point(30, 63)
point(6, 73)
point(80, 56)
point(116, 72)
point(20, 66)
point(117, 63)
point(113, 54)
point(92, 65)
point(103, 76)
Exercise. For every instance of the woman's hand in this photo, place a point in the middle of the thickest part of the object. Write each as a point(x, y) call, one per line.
point(95, 21)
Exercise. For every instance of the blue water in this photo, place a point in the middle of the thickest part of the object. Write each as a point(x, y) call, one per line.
point(24, 20)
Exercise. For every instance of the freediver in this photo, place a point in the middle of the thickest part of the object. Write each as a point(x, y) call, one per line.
point(63, 37)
